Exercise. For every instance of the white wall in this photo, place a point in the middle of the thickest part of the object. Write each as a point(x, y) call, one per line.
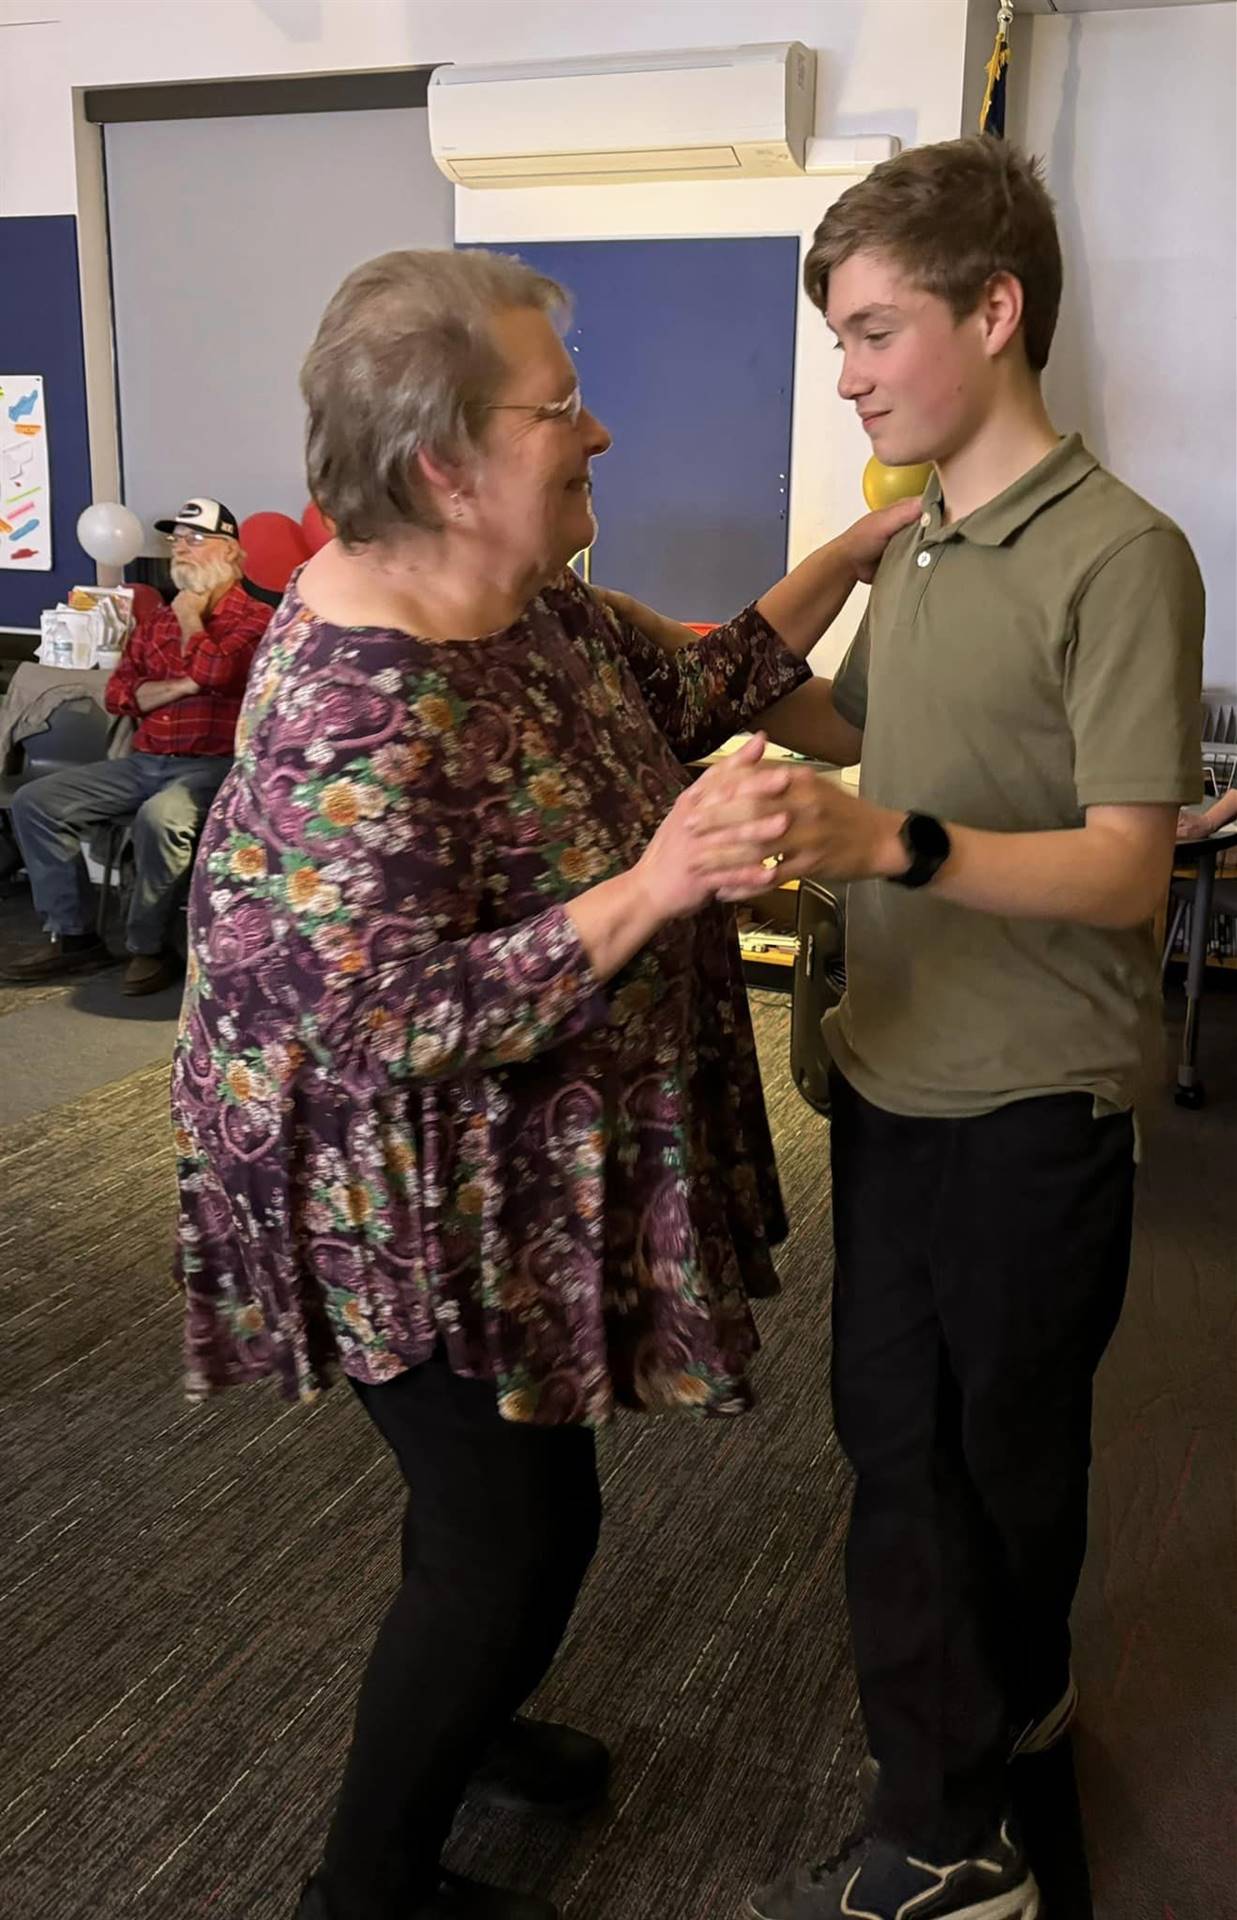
point(886, 66)
point(1135, 113)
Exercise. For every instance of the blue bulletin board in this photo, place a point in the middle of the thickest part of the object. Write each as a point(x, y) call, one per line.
point(686, 352)
point(41, 332)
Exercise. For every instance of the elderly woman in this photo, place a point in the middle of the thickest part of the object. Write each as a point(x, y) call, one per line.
point(466, 1095)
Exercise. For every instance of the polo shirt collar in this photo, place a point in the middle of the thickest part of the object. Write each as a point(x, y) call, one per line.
point(991, 525)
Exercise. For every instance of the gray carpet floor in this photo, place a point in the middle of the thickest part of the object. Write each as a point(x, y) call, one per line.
point(63, 1039)
point(187, 1595)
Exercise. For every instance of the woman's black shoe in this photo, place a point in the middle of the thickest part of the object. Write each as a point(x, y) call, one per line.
point(456, 1899)
point(537, 1767)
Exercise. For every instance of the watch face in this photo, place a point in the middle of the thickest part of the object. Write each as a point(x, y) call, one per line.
point(928, 838)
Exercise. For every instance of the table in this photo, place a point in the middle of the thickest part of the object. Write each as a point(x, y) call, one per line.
point(1190, 1090)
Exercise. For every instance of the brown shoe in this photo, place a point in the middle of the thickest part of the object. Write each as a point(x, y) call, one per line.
point(148, 973)
point(60, 957)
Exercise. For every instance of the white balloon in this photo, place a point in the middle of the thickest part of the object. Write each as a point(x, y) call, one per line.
point(110, 533)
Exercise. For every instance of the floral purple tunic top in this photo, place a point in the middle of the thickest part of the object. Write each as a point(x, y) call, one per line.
point(406, 1112)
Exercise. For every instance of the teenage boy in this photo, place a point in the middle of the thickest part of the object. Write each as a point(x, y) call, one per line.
point(1025, 690)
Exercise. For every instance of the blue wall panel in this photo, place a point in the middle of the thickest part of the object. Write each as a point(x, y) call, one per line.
point(41, 332)
point(686, 353)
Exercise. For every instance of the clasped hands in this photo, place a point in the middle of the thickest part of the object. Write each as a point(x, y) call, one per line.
point(748, 816)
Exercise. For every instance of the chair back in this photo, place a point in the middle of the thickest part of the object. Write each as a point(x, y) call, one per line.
point(75, 735)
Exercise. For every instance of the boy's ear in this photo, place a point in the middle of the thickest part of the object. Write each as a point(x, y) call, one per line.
point(1001, 306)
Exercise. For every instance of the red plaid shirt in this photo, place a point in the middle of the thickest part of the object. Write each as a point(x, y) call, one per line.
point(218, 659)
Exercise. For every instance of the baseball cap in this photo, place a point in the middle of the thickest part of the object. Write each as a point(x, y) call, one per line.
point(208, 516)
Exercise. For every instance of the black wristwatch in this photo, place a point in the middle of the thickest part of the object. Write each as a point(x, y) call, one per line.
point(927, 848)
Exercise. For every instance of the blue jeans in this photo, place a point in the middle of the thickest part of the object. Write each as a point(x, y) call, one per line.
point(170, 795)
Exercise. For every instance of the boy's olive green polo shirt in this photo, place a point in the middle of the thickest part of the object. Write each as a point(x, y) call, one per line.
point(1040, 657)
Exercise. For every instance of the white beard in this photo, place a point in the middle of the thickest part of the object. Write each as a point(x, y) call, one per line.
point(203, 576)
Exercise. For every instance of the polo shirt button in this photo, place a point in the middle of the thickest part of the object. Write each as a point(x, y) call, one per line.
point(925, 519)
point(923, 560)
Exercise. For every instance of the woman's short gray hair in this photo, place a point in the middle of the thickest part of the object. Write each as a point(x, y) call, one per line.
point(404, 363)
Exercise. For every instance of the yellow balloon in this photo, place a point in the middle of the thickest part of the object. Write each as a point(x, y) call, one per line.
point(883, 485)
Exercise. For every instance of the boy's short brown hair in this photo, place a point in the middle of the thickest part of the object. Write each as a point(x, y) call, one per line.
point(950, 216)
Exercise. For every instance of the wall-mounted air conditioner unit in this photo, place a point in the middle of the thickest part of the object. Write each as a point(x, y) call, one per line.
point(729, 113)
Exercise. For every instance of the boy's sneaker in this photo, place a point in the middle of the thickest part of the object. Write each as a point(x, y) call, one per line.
point(874, 1880)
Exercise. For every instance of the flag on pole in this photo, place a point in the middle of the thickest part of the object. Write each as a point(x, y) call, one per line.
point(992, 113)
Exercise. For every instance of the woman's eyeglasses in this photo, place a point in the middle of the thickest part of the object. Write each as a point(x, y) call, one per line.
point(568, 410)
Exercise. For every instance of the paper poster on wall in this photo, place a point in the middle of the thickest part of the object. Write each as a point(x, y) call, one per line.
point(25, 483)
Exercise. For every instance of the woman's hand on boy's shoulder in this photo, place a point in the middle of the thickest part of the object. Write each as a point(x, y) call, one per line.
point(867, 539)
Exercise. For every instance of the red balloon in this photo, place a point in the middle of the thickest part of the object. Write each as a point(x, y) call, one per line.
point(316, 527)
point(274, 547)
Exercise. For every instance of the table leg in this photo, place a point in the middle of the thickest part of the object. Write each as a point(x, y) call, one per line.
point(1189, 1086)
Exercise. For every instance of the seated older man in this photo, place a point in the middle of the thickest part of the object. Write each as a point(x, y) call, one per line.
point(181, 678)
